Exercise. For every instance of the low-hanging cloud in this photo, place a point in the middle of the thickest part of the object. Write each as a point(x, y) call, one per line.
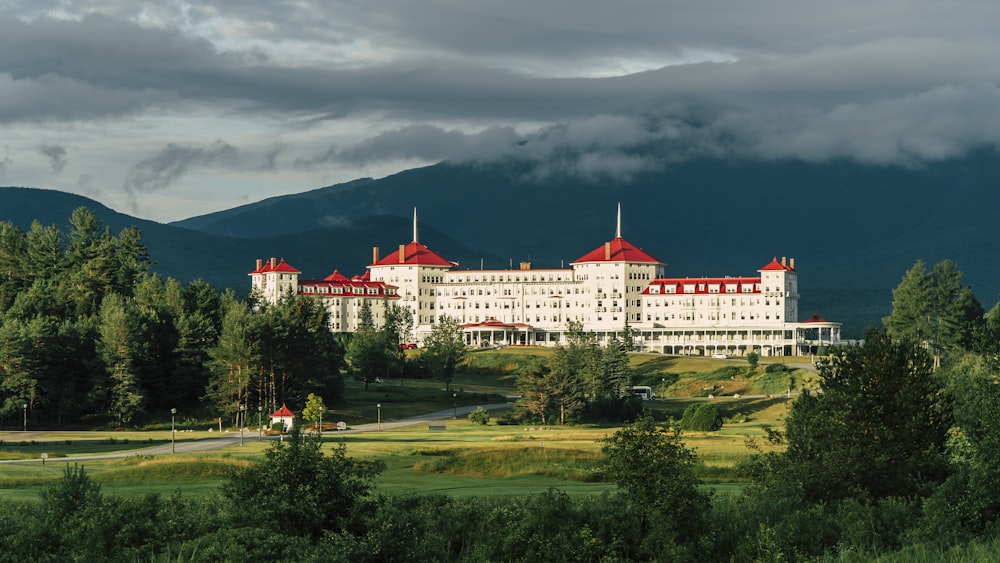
point(173, 162)
point(56, 155)
point(582, 89)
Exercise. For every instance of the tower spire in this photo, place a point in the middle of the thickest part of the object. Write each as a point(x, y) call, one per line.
point(618, 229)
point(415, 225)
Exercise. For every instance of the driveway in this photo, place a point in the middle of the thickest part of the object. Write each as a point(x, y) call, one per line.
point(231, 439)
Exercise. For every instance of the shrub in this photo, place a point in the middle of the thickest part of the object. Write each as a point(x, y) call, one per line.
point(701, 417)
point(776, 368)
point(480, 416)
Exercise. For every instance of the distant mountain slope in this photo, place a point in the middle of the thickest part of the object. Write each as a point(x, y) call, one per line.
point(277, 215)
point(225, 262)
point(849, 225)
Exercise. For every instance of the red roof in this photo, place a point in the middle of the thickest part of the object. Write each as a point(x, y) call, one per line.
point(493, 323)
point(815, 319)
point(703, 285)
point(346, 287)
point(414, 253)
point(281, 267)
point(775, 265)
point(621, 250)
point(283, 411)
point(336, 277)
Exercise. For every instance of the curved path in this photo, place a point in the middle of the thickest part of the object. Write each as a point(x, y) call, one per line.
point(208, 444)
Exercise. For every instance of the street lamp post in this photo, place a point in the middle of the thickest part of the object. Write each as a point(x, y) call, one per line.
point(173, 413)
point(454, 405)
point(25, 417)
point(260, 429)
point(241, 418)
point(379, 407)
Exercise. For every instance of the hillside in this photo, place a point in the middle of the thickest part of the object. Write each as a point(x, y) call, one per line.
point(186, 254)
point(854, 230)
point(849, 226)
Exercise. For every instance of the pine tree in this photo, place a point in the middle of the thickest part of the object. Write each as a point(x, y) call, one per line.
point(910, 317)
point(617, 374)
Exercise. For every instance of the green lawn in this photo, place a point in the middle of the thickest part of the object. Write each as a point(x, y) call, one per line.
point(483, 460)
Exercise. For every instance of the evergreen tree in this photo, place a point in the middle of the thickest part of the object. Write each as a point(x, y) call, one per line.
point(568, 394)
point(536, 392)
point(14, 271)
point(235, 360)
point(123, 347)
point(934, 309)
point(617, 374)
point(90, 261)
point(583, 359)
point(131, 259)
point(911, 300)
point(45, 251)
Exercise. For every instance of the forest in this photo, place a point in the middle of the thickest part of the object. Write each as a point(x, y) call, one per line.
point(88, 337)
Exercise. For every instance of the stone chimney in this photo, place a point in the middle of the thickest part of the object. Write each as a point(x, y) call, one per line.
point(274, 262)
point(374, 255)
point(784, 262)
point(259, 264)
point(525, 265)
point(792, 263)
point(402, 253)
point(607, 251)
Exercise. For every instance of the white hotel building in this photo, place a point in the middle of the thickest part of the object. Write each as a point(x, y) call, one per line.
point(614, 286)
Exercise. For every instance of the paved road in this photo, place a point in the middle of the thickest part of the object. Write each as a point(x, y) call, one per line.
point(231, 439)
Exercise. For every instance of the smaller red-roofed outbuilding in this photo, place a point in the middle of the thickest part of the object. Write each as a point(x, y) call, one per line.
point(284, 417)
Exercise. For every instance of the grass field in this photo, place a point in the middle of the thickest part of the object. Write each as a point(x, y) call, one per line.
point(465, 459)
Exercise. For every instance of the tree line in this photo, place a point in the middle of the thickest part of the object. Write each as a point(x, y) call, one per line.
point(89, 335)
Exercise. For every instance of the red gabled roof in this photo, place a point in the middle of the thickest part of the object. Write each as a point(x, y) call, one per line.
point(621, 250)
point(336, 276)
point(338, 285)
point(775, 265)
point(281, 267)
point(283, 411)
point(815, 319)
point(414, 254)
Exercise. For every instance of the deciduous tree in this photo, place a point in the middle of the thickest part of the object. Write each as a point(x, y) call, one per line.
point(300, 491)
point(444, 349)
point(655, 472)
point(314, 411)
point(877, 430)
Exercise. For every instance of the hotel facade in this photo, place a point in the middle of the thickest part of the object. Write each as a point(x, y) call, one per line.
point(613, 288)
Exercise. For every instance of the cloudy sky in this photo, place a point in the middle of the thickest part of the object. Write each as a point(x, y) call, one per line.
point(172, 109)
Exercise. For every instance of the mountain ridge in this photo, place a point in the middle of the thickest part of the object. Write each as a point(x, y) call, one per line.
point(853, 229)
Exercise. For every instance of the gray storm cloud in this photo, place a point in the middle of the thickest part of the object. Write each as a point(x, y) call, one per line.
point(165, 167)
point(589, 88)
